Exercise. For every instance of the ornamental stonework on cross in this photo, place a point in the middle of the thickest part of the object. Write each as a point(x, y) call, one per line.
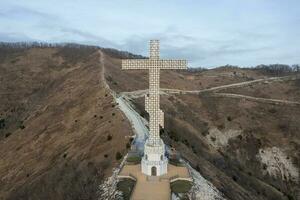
point(156, 116)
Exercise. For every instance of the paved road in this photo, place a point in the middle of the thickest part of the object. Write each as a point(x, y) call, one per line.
point(137, 122)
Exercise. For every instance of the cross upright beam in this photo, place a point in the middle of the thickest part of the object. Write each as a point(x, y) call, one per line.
point(154, 64)
point(154, 49)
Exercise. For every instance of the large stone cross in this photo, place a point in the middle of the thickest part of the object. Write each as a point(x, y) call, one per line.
point(154, 64)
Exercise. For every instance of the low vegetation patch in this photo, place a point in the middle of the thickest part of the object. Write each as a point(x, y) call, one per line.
point(7, 135)
point(181, 186)
point(21, 125)
point(2, 123)
point(109, 137)
point(126, 187)
point(175, 162)
point(133, 159)
point(118, 156)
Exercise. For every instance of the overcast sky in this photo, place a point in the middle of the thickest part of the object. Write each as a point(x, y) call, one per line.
point(206, 33)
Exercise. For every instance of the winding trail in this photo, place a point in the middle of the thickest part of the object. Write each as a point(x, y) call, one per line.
point(213, 91)
point(140, 93)
point(103, 80)
point(233, 85)
point(258, 99)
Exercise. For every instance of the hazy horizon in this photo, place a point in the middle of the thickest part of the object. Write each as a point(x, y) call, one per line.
point(207, 34)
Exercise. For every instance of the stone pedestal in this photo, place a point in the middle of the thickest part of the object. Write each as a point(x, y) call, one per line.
point(154, 161)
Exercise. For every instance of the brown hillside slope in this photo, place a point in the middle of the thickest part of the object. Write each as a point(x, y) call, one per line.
point(249, 149)
point(60, 129)
point(55, 118)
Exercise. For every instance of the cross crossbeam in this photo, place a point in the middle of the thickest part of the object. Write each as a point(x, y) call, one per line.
point(151, 63)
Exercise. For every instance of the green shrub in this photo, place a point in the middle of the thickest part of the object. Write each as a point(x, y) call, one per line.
point(2, 123)
point(272, 110)
point(7, 135)
point(181, 186)
point(109, 137)
point(21, 125)
point(133, 159)
point(234, 178)
point(175, 162)
point(118, 156)
point(126, 187)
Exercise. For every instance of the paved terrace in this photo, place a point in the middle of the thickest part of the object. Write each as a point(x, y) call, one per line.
point(153, 187)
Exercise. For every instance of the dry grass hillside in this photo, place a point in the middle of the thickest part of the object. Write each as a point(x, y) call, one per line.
point(60, 129)
point(249, 148)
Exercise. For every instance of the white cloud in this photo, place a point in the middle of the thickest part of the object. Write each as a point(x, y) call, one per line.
point(211, 33)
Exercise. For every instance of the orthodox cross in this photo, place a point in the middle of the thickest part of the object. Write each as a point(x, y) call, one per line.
point(154, 65)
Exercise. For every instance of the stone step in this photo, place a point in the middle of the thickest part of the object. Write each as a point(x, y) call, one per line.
point(153, 178)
